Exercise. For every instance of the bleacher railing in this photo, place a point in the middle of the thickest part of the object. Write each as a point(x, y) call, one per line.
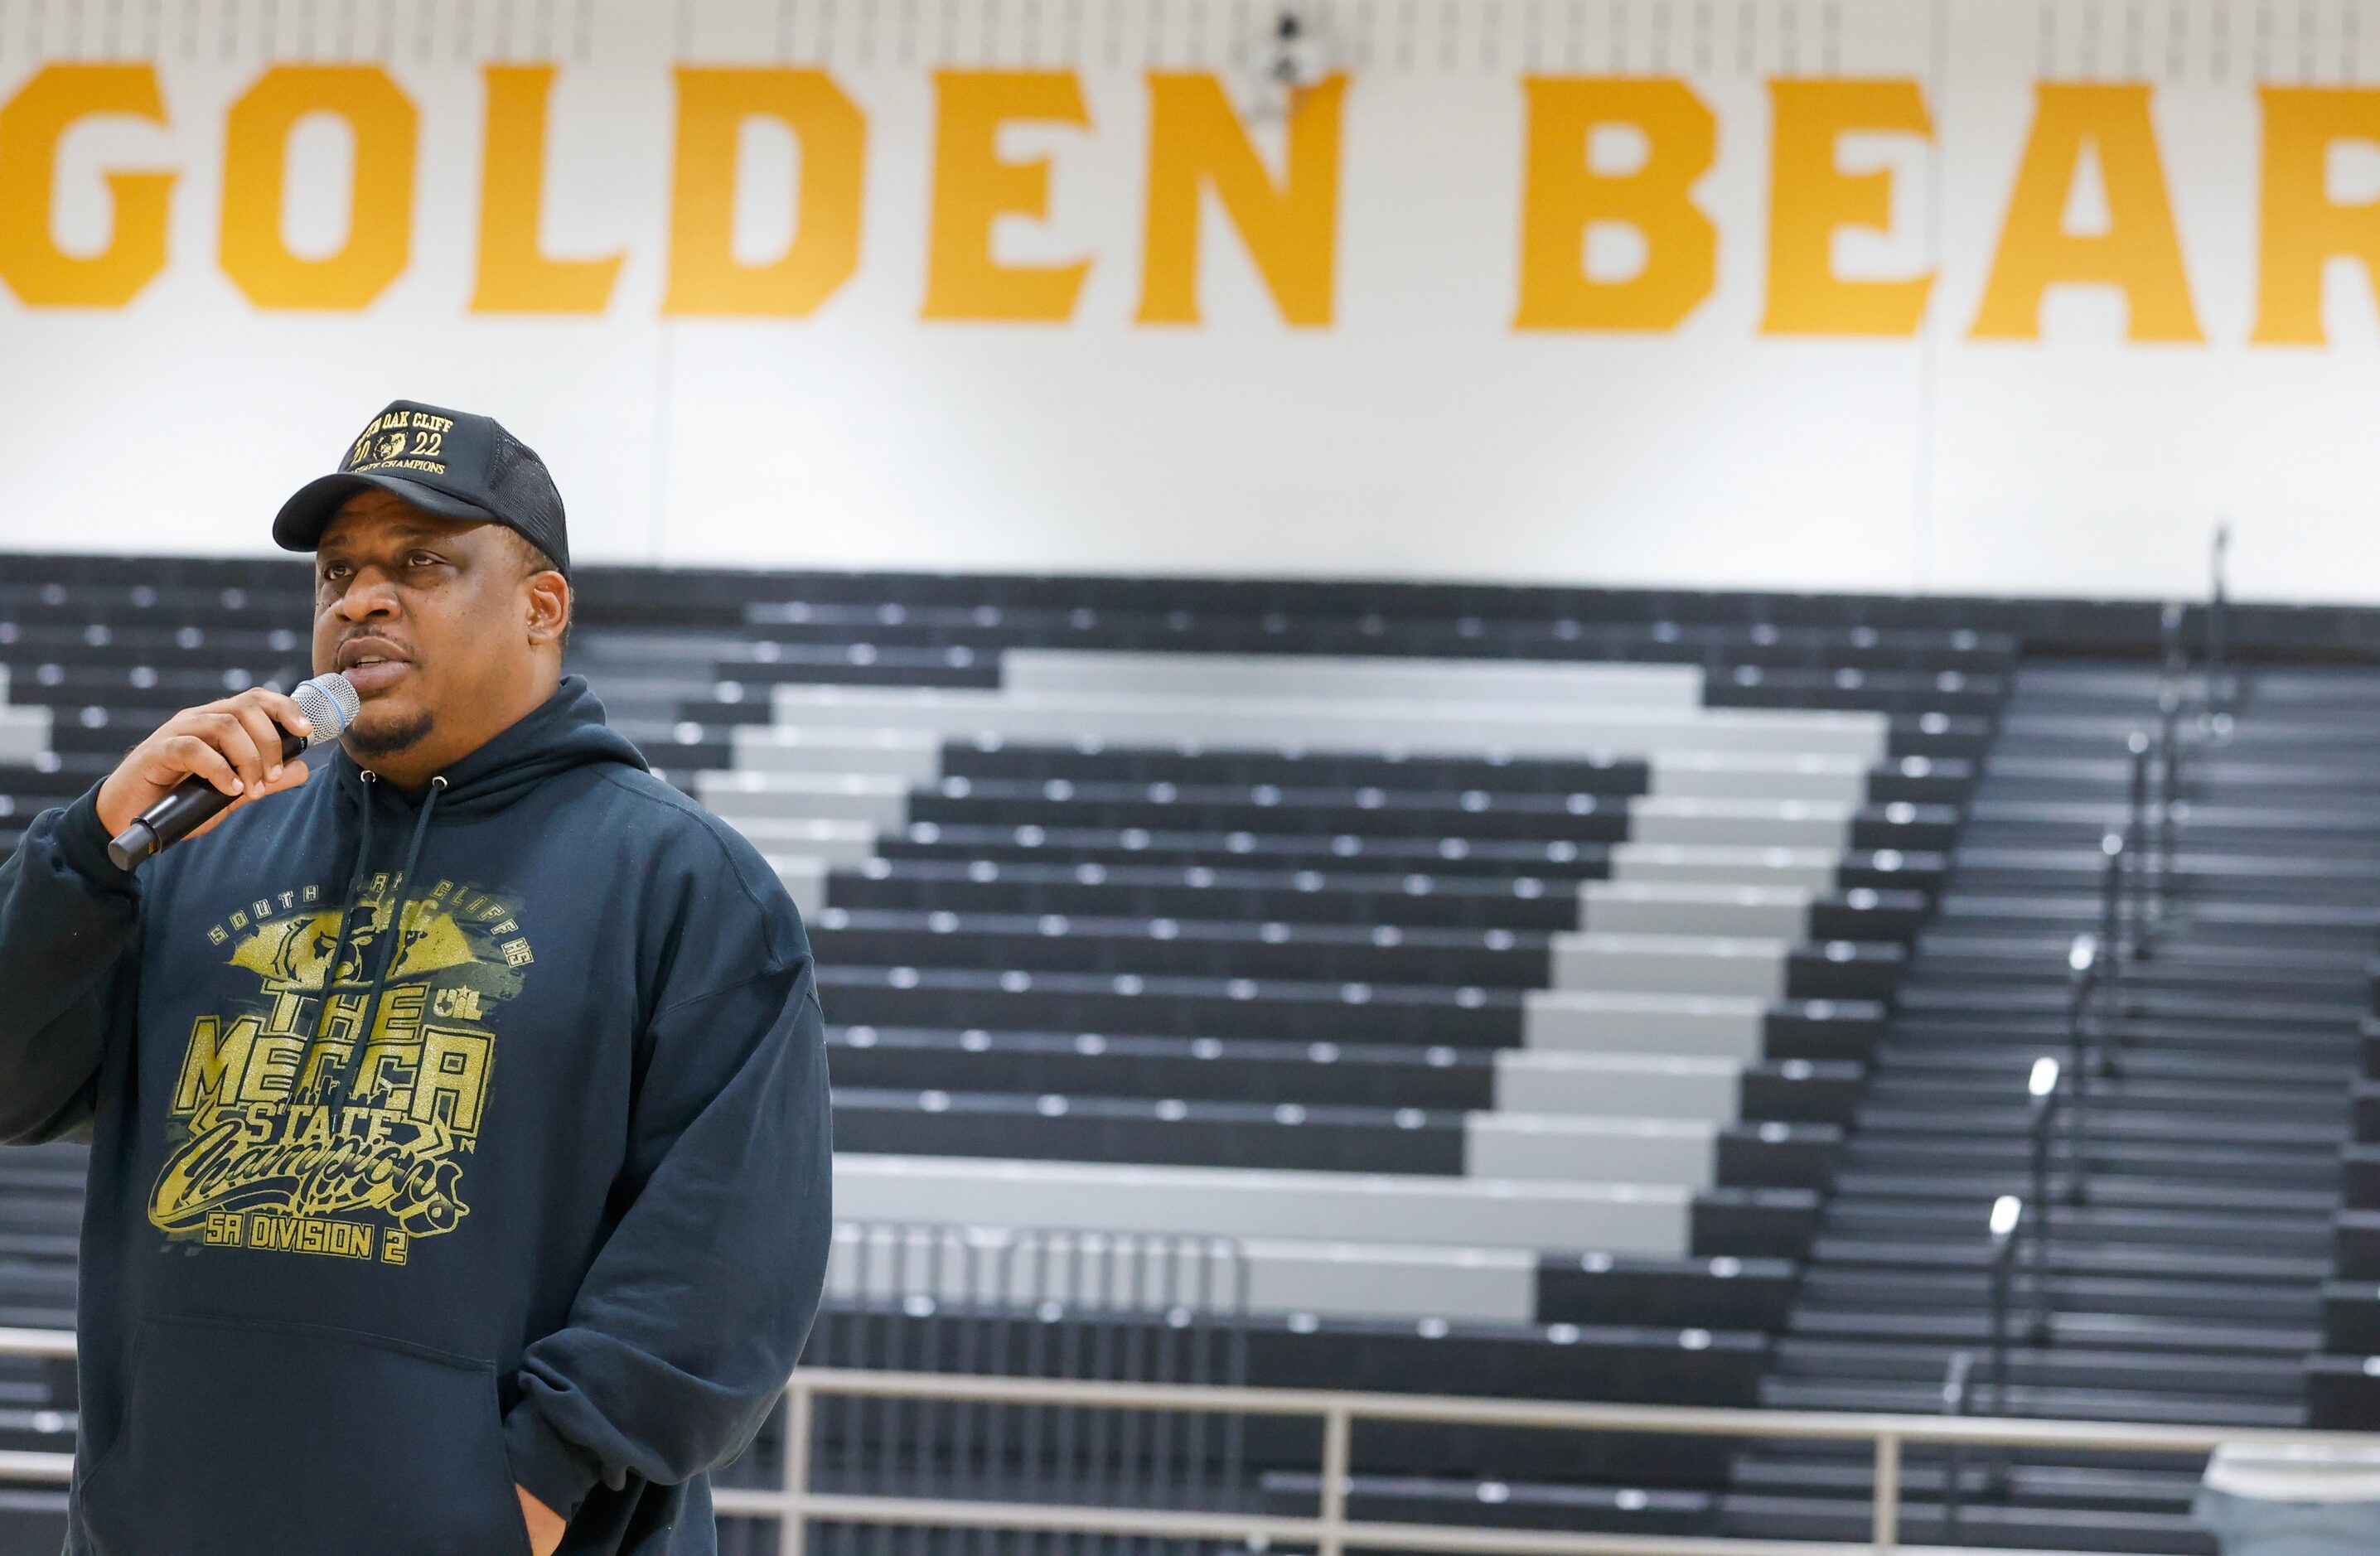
point(1332, 1532)
point(2219, 686)
point(1955, 1401)
point(1111, 1307)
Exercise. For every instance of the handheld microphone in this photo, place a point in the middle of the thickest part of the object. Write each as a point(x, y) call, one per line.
point(329, 703)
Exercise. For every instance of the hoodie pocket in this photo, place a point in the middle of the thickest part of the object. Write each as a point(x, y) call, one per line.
point(244, 1438)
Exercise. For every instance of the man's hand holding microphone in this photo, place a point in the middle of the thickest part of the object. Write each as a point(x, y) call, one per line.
point(205, 762)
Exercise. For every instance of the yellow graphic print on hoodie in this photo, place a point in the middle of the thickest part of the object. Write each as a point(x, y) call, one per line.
point(281, 1136)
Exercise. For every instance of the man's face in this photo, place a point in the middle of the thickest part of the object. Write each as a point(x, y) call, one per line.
point(429, 618)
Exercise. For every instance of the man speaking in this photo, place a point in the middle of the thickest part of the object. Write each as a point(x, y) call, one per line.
point(459, 1166)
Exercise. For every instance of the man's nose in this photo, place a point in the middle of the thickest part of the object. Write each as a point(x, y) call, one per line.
point(368, 594)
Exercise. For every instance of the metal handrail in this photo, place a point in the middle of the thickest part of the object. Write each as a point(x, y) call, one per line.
point(2111, 903)
point(2045, 1099)
point(2218, 610)
point(1332, 1532)
point(55, 1345)
point(2086, 960)
point(2007, 1219)
point(2135, 881)
point(2169, 805)
point(1954, 1458)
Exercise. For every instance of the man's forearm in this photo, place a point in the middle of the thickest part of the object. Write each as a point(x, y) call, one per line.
point(67, 916)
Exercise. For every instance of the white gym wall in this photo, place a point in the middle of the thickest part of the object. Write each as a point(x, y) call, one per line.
point(1417, 434)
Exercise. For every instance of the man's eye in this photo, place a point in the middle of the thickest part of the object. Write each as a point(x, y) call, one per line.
point(423, 559)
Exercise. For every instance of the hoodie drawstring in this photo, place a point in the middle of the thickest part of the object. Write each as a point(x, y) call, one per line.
point(337, 1073)
point(348, 901)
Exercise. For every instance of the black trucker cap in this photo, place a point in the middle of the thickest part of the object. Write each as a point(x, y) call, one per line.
point(446, 462)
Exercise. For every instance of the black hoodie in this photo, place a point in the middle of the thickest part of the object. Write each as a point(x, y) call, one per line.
point(562, 1219)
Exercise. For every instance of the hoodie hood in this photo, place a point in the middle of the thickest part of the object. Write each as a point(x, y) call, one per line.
point(566, 730)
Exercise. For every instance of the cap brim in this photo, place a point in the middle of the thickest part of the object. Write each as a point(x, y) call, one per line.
point(302, 519)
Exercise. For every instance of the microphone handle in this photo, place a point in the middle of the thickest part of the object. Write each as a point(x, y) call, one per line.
point(191, 804)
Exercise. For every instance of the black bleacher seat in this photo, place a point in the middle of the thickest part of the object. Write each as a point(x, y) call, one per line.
point(1859, 913)
point(1522, 865)
point(1380, 953)
point(1502, 1504)
point(1293, 1135)
point(1721, 1292)
point(1388, 1075)
point(1017, 1000)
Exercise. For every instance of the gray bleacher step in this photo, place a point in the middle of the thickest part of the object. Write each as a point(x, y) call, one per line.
point(2200, 993)
point(2305, 1165)
point(1972, 1326)
point(45, 1196)
point(2128, 1138)
point(2330, 926)
point(29, 1311)
point(1900, 1059)
point(2149, 1049)
point(2101, 1259)
point(34, 1168)
point(1789, 1469)
point(21, 1278)
point(2130, 1097)
point(2252, 1234)
point(2333, 733)
point(2281, 1305)
point(1993, 981)
point(1883, 1209)
point(1993, 992)
point(2028, 1528)
point(42, 1429)
point(2137, 1176)
point(2206, 1375)
point(2215, 854)
point(32, 1521)
point(2248, 877)
point(2122, 1122)
point(1930, 1171)
point(1925, 1193)
point(40, 1211)
point(1918, 1397)
point(1926, 992)
point(1499, 1504)
point(1963, 1015)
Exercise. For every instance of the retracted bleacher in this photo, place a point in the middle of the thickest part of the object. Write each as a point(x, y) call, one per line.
point(1567, 994)
point(1500, 1003)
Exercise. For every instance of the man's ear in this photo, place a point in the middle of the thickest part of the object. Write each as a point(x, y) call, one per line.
point(548, 606)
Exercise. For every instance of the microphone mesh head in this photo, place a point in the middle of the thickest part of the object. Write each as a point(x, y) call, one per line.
point(330, 704)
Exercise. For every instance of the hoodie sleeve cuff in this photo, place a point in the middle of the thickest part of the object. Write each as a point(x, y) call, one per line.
point(82, 838)
point(556, 1472)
